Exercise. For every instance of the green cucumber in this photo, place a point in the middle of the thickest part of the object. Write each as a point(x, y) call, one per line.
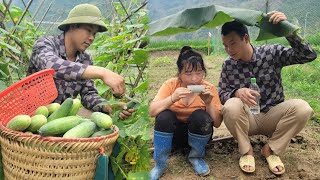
point(59, 126)
point(19, 123)
point(63, 110)
point(42, 110)
point(75, 107)
point(36, 122)
point(102, 132)
point(83, 130)
point(102, 120)
point(53, 107)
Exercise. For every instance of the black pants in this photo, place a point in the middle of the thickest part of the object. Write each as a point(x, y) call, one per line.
point(199, 122)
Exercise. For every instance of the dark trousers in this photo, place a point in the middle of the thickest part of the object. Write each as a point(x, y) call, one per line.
point(199, 122)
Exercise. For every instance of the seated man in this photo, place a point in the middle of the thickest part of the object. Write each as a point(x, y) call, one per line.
point(280, 120)
point(73, 66)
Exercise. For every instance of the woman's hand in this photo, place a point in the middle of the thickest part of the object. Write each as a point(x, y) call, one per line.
point(206, 95)
point(179, 93)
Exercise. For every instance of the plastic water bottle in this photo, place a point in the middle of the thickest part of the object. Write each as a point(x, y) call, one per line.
point(254, 86)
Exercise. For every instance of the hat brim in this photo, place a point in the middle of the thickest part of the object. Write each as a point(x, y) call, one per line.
point(84, 20)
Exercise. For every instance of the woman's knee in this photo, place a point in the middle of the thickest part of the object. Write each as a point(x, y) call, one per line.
point(200, 122)
point(165, 121)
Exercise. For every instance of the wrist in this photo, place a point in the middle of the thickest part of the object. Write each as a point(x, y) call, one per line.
point(234, 93)
point(171, 98)
point(102, 72)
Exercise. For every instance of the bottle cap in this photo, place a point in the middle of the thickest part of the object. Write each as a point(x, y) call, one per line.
point(253, 80)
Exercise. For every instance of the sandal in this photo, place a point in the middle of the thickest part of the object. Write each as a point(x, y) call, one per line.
point(247, 160)
point(273, 162)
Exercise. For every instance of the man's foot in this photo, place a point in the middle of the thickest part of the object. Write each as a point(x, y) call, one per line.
point(275, 164)
point(247, 162)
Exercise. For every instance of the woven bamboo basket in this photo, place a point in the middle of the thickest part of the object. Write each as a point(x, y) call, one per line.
point(33, 157)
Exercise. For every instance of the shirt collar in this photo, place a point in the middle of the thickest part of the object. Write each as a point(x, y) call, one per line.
point(62, 49)
point(253, 59)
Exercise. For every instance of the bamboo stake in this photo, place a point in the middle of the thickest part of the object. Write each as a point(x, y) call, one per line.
point(128, 17)
point(22, 16)
point(35, 14)
point(45, 14)
point(25, 6)
point(139, 77)
point(7, 5)
point(52, 24)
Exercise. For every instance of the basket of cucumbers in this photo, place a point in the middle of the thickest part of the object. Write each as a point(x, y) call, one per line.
point(49, 140)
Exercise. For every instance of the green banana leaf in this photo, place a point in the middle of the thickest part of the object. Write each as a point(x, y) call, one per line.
point(190, 20)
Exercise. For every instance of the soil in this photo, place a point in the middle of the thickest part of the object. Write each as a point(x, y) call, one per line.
point(301, 160)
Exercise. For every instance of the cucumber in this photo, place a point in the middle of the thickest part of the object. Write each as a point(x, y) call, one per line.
point(102, 120)
point(36, 122)
point(133, 105)
point(63, 110)
point(75, 107)
point(59, 126)
point(53, 107)
point(19, 122)
point(102, 132)
point(83, 130)
point(130, 104)
point(42, 110)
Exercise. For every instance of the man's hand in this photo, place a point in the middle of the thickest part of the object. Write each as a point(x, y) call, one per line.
point(114, 81)
point(247, 96)
point(124, 114)
point(107, 109)
point(275, 17)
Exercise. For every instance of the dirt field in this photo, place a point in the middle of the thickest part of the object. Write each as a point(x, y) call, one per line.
point(302, 159)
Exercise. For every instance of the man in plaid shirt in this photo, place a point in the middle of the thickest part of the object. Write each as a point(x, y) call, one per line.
point(280, 120)
point(73, 66)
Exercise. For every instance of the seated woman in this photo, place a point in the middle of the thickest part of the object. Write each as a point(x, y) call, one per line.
point(182, 117)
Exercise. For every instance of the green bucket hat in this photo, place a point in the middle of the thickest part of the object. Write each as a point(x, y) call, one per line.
point(84, 14)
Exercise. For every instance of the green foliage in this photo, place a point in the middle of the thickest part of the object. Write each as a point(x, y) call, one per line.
point(121, 50)
point(314, 39)
point(133, 156)
point(17, 36)
point(302, 81)
point(200, 44)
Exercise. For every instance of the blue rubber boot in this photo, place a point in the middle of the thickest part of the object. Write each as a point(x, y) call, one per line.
point(198, 143)
point(162, 147)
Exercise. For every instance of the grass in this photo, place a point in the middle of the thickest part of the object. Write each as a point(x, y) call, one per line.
point(302, 81)
point(216, 44)
point(161, 45)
